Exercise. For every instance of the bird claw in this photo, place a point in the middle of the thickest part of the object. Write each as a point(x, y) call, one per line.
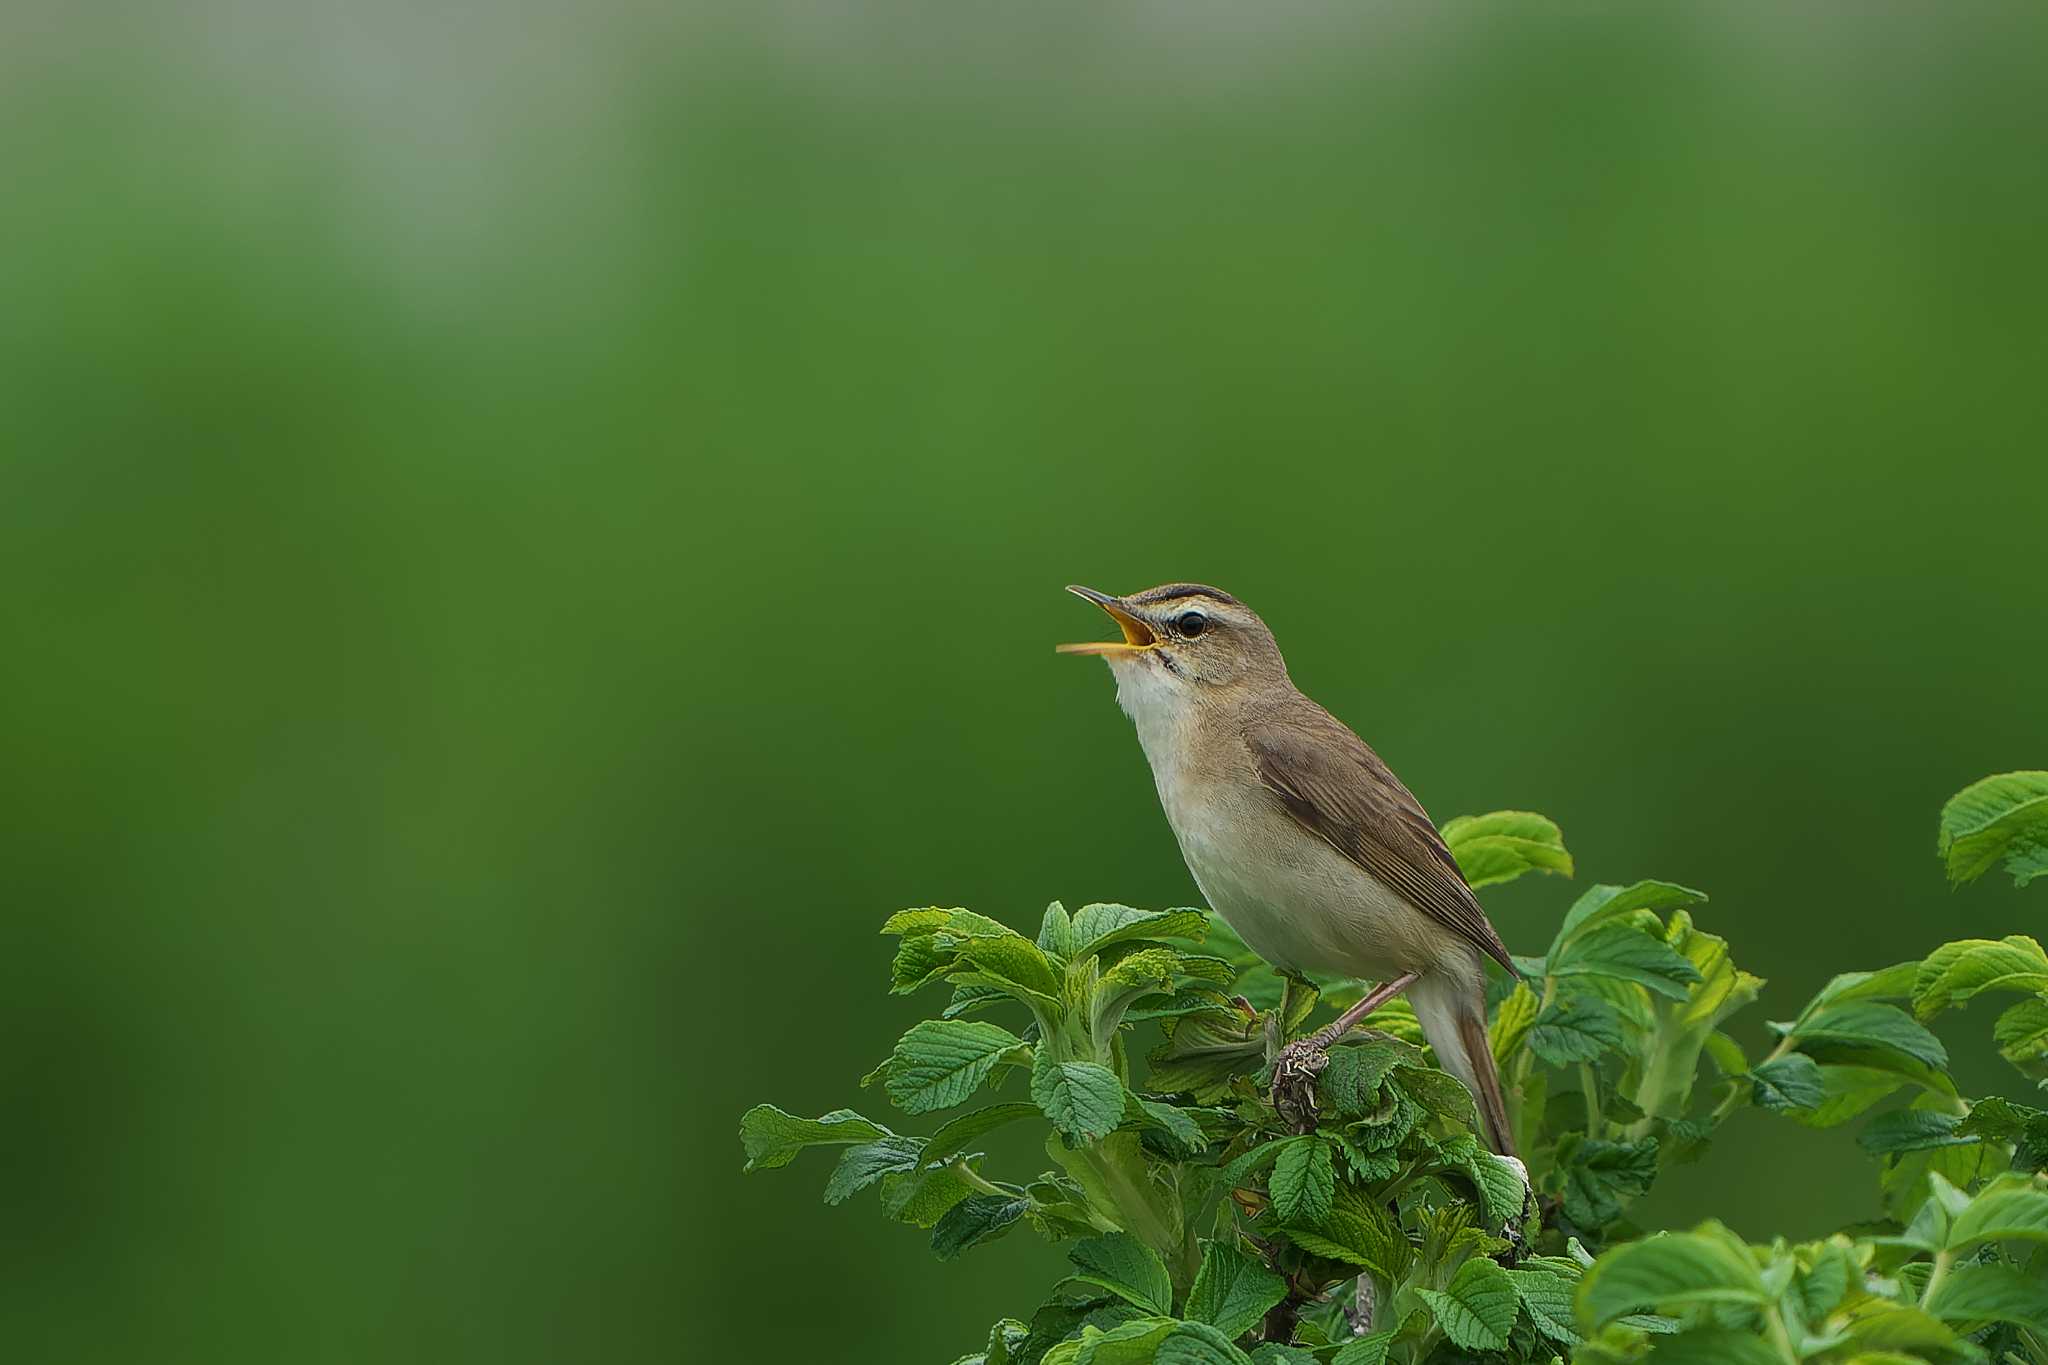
point(1294, 1080)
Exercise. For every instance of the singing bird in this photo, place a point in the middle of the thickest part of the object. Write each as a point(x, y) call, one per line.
point(1299, 836)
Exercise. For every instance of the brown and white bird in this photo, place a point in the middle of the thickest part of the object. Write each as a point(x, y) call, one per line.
point(1296, 832)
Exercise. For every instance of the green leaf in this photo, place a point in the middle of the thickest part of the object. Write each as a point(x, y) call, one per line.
point(2011, 1207)
point(922, 1197)
point(1911, 1130)
point(2005, 816)
point(1848, 1091)
point(1084, 1101)
point(2022, 1036)
point(1867, 1033)
point(1792, 1081)
point(1601, 1176)
point(1184, 1135)
point(1273, 1353)
point(1548, 1299)
point(1974, 1294)
point(1233, 1289)
point(1097, 927)
point(1577, 1026)
point(954, 1137)
point(1955, 972)
point(1127, 1268)
point(1358, 1232)
point(1006, 957)
point(1671, 1270)
point(972, 1221)
point(1371, 1349)
point(1628, 953)
point(1505, 844)
point(1603, 903)
point(1512, 1022)
point(772, 1138)
point(1197, 1343)
point(2001, 1120)
point(1303, 1183)
point(1897, 1327)
point(1056, 932)
point(1127, 1343)
point(1477, 1308)
point(1714, 1346)
point(862, 1166)
point(940, 1062)
point(1350, 1086)
point(1826, 1283)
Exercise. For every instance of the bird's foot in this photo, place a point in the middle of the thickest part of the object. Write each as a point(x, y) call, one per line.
point(1294, 1079)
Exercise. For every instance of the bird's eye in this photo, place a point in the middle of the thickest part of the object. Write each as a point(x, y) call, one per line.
point(1191, 623)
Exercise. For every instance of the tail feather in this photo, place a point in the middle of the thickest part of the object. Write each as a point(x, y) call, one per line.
point(1452, 1013)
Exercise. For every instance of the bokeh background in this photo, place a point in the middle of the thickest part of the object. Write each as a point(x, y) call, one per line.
point(527, 529)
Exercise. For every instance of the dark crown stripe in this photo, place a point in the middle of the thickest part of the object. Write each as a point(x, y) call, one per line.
point(1174, 591)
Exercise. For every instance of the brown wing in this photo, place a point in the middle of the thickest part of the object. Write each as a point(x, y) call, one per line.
point(1336, 786)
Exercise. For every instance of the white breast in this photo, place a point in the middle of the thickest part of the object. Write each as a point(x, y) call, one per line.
point(1297, 901)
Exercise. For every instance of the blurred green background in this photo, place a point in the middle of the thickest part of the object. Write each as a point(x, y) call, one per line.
point(527, 530)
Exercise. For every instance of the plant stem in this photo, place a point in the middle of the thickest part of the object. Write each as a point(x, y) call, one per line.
point(1590, 1083)
point(1780, 1337)
point(975, 1180)
point(1941, 1265)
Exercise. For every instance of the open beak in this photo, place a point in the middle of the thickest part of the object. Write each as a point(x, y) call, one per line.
point(1137, 635)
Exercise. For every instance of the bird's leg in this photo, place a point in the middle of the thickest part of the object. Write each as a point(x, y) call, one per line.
point(1345, 1022)
point(1301, 1061)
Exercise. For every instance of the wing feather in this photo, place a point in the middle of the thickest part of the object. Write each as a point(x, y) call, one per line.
point(1337, 788)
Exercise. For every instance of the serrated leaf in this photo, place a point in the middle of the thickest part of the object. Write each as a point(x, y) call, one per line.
point(1548, 1298)
point(1126, 1267)
point(1602, 1176)
point(2022, 1126)
point(1180, 1128)
point(1273, 1353)
point(862, 1166)
point(980, 1218)
point(772, 1137)
point(1847, 1091)
point(940, 1062)
point(2005, 816)
point(1505, 844)
point(1502, 1193)
point(1097, 927)
point(1303, 1183)
point(1910, 1130)
point(1899, 1327)
point(1577, 1026)
point(922, 1197)
point(1627, 953)
point(1371, 1349)
point(1127, 1343)
point(2022, 1036)
point(1477, 1308)
point(1084, 1101)
point(1955, 972)
point(1601, 904)
point(1056, 932)
point(1671, 1270)
point(1974, 1294)
point(955, 1136)
point(1792, 1081)
point(1714, 1346)
point(1867, 1033)
point(1512, 1022)
point(1197, 1343)
point(2012, 1207)
point(1233, 1289)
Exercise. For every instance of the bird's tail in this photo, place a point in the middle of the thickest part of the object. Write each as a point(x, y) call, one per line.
point(1452, 1011)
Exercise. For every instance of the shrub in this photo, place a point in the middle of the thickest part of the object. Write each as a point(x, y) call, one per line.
point(1206, 1227)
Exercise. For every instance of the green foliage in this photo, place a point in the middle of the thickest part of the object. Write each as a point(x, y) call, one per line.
point(1373, 1227)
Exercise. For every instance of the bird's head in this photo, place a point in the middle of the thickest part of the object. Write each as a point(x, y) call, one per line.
point(1184, 640)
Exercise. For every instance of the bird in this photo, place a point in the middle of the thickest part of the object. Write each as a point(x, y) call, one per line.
point(1299, 836)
